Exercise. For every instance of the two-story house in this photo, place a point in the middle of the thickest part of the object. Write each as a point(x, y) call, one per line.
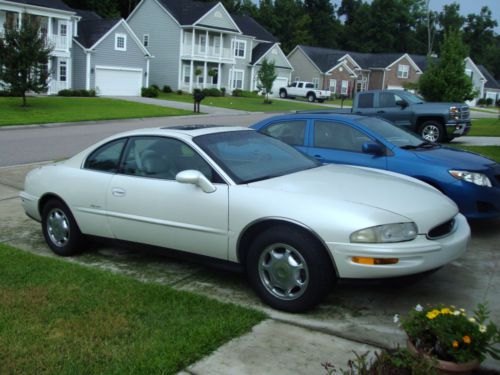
point(200, 45)
point(58, 23)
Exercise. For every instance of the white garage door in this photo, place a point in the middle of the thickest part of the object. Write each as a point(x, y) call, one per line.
point(278, 83)
point(393, 87)
point(117, 81)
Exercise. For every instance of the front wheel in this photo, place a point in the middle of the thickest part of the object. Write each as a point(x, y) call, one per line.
point(432, 131)
point(283, 94)
point(311, 98)
point(288, 269)
point(60, 229)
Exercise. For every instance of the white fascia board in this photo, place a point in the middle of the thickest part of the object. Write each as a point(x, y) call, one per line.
point(475, 67)
point(206, 28)
point(135, 38)
point(415, 66)
point(344, 65)
point(347, 56)
point(35, 9)
point(279, 51)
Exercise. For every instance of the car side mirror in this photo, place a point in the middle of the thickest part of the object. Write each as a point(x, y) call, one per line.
point(197, 178)
point(373, 148)
point(402, 103)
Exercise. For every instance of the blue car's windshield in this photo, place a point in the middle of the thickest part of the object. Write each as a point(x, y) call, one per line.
point(248, 156)
point(400, 137)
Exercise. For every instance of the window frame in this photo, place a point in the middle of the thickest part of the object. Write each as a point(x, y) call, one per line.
point(236, 46)
point(334, 81)
point(315, 82)
point(346, 87)
point(107, 144)
point(403, 71)
point(352, 128)
point(119, 36)
point(233, 71)
point(303, 122)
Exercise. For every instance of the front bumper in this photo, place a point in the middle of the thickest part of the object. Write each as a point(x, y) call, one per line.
point(417, 256)
point(457, 128)
point(30, 205)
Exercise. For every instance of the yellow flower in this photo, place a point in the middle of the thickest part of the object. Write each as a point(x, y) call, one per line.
point(455, 343)
point(466, 339)
point(445, 310)
point(432, 314)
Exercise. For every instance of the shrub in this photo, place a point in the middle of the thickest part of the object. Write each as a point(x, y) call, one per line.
point(4, 93)
point(167, 89)
point(237, 92)
point(179, 92)
point(156, 87)
point(223, 91)
point(489, 101)
point(78, 93)
point(65, 93)
point(212, 92)
point(150, 92)
point(497, 103)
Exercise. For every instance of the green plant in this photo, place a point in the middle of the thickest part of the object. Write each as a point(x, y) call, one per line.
point(489, 101)
point(481, 101)
point(80, 93)
point(223, 91)
point(167, 89)
point(237, 92)
point(449, 334)
point(156, 87)
point(212, 72)
point(266, 76)
point(179, 92)
point(212, 92)
point(197, 71)
point(150, 92)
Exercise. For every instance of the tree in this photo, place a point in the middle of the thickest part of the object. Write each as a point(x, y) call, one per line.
point(325, 27)
point(105, 8)
point(479, 34)
point(24, 54)
point(266, 76)
point(445, 80)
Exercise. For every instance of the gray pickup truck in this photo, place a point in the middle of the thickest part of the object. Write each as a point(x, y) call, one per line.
point(435, 122)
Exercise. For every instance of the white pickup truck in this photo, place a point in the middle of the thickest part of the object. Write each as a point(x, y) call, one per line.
point(304, 90)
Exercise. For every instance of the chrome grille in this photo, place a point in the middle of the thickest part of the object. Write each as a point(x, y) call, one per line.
point(465, 113)
point(441, 230)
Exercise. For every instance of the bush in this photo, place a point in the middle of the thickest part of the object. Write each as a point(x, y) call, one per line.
point(167, 89)
point(497, 103)
point(78, 93)
point(150, 92)
point(489, 101)
point(237, 92)
point(5, 93)
point(156, 87)
point(212, 92)
point(223, 91)
point(481, 101)
point(179, 92)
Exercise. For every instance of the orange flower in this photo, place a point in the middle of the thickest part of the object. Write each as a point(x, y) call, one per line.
point(466, 339)
point(455, 344)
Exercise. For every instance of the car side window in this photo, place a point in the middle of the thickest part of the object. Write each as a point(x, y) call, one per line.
point(107, 157)
point(291, 132)
point(300, 85)
point(334, 135)
point(309, 86)
point(387, 99)
point(163, 158)
point(294, 84)
point(365, 100)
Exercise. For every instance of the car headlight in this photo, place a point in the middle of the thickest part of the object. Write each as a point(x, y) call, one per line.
point(386, 233)
point(454, 113)
point(472, 177)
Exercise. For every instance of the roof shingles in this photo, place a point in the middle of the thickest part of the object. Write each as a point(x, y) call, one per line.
point(52, 4)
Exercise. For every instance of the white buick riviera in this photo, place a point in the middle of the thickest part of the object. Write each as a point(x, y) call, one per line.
point(238, 196)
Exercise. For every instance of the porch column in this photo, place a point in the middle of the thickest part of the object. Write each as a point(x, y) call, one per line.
point(221, 46)
point(253, 81)
point(49, 28)
point(206, 43)
point(69, 74)
point(147, 72)
point(219, 76)
point(192, 42)
point(182, 42)
point(20, 22)
point(87, 73)
point(49, 69)
point(191, 77)
point(205, 74)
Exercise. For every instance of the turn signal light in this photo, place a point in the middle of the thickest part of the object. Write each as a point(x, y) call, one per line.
point(374, 261)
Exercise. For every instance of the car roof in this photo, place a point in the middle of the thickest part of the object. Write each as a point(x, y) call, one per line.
point(320, 114)
point(187, 131)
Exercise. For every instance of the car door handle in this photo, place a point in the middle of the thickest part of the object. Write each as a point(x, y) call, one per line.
point(381, 112)
point(117, 192)
point(319, 157)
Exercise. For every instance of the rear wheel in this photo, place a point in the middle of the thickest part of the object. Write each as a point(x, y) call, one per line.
point(60, 229)
point(432, 131)
point(288, 269)
point(321, 100)
point(311, 98)
point(283, 94)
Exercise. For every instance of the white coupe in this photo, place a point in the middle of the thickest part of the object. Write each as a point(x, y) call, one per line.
point(233, 194)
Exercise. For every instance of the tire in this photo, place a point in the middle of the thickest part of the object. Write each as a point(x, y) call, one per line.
point(60, 229)
point(276, 282)
point(432, 131)
point(321, 100)
point(311, 98)
point(283, 94)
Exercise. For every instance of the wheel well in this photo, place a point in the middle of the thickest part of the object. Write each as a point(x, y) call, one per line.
point(253, 231)
point(47, 197)
point(282, 89)
point(421, 120)
point(311, 93)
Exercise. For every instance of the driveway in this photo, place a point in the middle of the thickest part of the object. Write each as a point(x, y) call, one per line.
point(355, 315)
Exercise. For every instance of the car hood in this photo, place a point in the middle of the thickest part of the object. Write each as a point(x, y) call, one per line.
point(457, 159)
point(388, 191)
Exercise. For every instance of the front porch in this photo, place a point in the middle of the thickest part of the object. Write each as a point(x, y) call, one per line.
point(203, 75)
point(60, 74)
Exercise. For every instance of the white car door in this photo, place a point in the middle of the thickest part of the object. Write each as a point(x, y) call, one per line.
point(145, 204)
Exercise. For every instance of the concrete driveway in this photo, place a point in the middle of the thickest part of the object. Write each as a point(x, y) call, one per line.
point(355, 316)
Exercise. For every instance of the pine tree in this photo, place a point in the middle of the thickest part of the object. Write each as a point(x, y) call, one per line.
point(445, 80)
point(24, 56)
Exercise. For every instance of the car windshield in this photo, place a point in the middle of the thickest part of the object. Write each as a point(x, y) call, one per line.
point(248, 156)
point(412, 98)
point(398, 136)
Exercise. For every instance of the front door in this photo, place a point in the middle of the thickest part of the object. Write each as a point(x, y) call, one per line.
point(146, 204)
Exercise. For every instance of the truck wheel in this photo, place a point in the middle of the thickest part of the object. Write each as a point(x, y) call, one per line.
point(311, 98)
point(432, 131)
point(283, 94)
point(321, 100)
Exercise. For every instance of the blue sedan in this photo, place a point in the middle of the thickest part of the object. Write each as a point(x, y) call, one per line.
point(471, 180)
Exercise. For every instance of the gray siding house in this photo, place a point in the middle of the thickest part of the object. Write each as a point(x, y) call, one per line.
point(108, 57)
point(200, 45)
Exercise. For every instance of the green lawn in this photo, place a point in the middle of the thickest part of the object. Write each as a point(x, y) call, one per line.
point(43, 110)
point(347, 102)
point(485, 127)
point(492, 152)
point(245, 104)
point(486, 110)
point(61, 318)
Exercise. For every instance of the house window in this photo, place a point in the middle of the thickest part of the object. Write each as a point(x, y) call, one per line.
point(345, 85)
point(63, 70)
point(202, 46)
point(63, 29)
point(216, 44)
point(120, 42)
point(145, 40)
point(237, 81)
point(333, 85)
point(403, 71)
point(316, 82)
point(186, 74)
point(239, 47)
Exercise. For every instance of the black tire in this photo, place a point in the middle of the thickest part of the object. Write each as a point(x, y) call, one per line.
point(60, 229)
point(311, 98)
point(283, 94)
point(432, 131)
point(269, 274)
point(321, 100)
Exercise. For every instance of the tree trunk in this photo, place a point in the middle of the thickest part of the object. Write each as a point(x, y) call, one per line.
point(24, 99)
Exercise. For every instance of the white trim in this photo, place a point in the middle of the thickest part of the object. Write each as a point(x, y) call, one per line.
point(225, 12)
point(344, 65)
point(147, 72)
point(404, 70)
point(181, 49)
point(43, 10)
point(87, 73)
point(474, 66)
point(347, 56)
point(119, 36)
point(202, 44)
point(279, 52)
point(108, 67)
point(334, 85)
point(231, 79)
point(410, 60)
point(346, 87)
point(158, 3)
point(233, 42)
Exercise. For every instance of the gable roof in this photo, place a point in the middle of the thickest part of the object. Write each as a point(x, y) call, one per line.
point(91, 30)
point(249, 26)
point(187, 12)
point(87, 14)
point(259, 51)
point(52, 4)
point(491, 82)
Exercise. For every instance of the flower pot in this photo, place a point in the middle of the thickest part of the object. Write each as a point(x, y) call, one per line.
point(445, 367)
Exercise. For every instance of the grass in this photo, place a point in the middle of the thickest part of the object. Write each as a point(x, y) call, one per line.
point(43, 110)
point(486, 127)
point(61, 318)
point(252, 104)
point(492, 152)
point(347, 102)
point(486, 110)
